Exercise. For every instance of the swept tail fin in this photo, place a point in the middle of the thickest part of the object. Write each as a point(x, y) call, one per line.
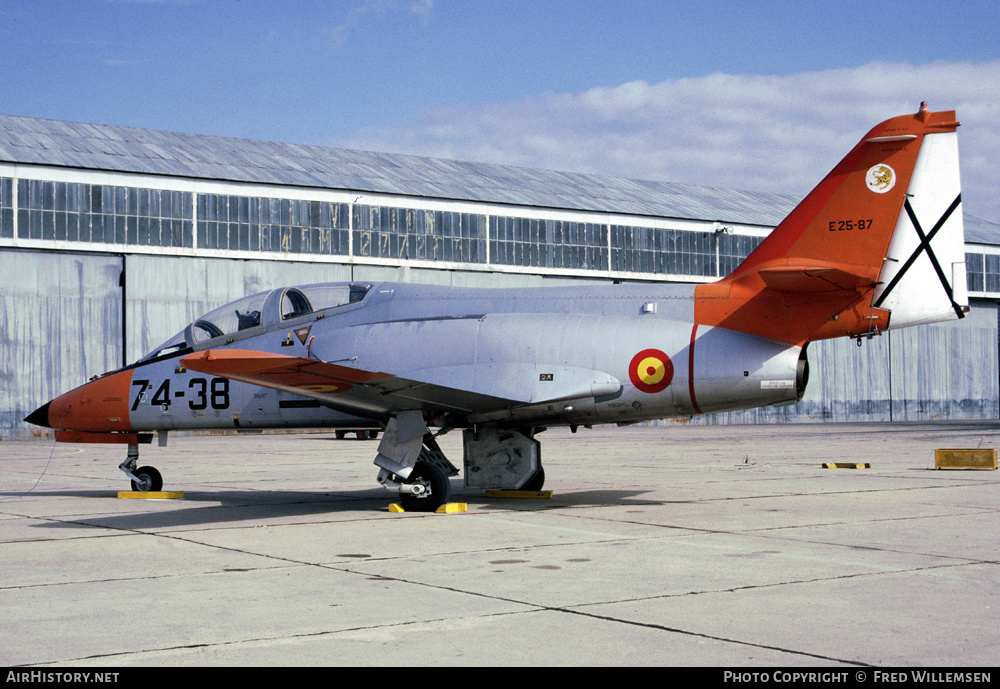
point(879, 240)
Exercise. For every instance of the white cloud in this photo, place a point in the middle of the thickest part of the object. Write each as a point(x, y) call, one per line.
point(768, 133)
point(423, 8)
point(358, 18)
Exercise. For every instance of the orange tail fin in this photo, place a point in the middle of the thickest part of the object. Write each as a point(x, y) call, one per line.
point(884, 224)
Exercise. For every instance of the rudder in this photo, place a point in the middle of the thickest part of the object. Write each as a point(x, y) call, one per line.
point(923, 279)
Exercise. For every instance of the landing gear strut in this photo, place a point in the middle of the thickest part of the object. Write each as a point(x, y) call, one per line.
point(425, 487)
point(412, 464)
point(144, 479)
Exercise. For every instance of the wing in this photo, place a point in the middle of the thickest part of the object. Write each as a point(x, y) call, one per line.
point(464, 389)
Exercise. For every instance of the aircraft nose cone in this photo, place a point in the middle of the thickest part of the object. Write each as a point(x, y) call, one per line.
point(40, 417)
point(100, 406)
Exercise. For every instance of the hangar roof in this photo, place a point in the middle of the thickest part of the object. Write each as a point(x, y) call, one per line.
point(127, 149)
point(979, 231)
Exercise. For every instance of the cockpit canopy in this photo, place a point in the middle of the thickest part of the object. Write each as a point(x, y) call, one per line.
point(262, 311)
point(242, 314)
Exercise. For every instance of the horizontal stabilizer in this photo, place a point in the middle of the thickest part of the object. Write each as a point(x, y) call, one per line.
point(812, 279)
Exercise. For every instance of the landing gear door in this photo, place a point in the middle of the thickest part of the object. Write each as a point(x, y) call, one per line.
point(500, 459)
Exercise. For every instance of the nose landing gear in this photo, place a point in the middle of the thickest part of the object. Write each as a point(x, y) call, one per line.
point(144, 479)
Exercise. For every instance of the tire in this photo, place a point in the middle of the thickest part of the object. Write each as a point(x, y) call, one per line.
point(536, 482)
point(439, 489)
point(149, 480)
point(340, 434)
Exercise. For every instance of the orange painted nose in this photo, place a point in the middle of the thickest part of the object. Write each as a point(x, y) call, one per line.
point(101, 405)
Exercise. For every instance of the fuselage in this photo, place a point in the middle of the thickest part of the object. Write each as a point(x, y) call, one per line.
point(548, 356)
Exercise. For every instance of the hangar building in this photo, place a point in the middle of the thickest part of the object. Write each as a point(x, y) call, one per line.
point(113, 238)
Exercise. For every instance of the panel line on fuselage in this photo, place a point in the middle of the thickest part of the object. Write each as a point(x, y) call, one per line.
point(694, 401)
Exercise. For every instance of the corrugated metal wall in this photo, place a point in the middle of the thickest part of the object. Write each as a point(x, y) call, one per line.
point(939, 371)
point(947, 371)
point(61, 322)
point(166, 293)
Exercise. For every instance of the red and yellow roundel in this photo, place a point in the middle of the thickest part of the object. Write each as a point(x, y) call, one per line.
point(651, 370)
point(328, 388)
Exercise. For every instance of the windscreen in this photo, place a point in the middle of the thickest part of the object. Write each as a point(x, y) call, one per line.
point(174, 344)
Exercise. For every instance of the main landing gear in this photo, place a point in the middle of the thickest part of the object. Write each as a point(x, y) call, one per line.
point(503, 459)
point(425, 489)
point(412, 465)
point(144, 479)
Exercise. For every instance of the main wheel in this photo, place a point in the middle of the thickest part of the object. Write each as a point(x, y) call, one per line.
point(437, 485)
point(536, 482)
point(149, 480)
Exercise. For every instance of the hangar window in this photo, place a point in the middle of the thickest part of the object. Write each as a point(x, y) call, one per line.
point(430, 235)
point(245, 223)
point(68, 211)
point(659, 250)
point(6, 208)
point(733, 250)
point(548, 243)
point(992, 273)
point(974, 268)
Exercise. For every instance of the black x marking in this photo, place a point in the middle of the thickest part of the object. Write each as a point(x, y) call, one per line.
point(925, 245)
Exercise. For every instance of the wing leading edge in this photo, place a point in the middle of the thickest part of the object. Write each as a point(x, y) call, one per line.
point(456, 389)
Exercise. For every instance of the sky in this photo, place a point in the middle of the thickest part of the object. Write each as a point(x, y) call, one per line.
point(762, 96)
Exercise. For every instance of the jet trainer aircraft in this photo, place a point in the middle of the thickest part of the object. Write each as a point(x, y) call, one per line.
point(878, 244)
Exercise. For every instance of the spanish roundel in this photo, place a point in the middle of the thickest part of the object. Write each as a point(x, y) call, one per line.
point(651, 371)
point(328, 388)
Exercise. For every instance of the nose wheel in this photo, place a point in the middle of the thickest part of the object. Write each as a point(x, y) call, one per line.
point(147, 480)
point(144, 479)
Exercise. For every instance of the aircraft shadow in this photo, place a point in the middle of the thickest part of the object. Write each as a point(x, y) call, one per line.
point(207, 507)
point(612, 497)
